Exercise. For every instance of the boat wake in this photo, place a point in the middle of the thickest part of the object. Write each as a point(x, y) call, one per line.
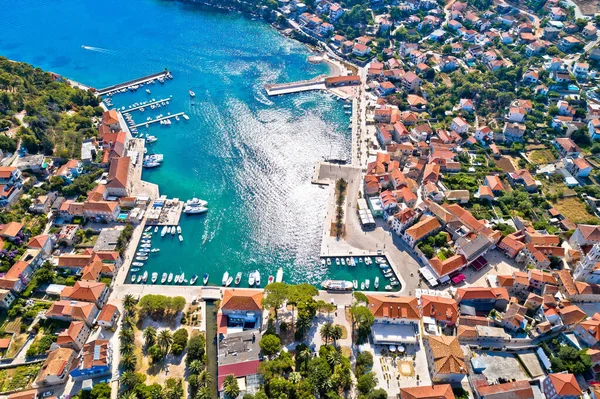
point(208, 236)
point(98, 49)
point(261, 98)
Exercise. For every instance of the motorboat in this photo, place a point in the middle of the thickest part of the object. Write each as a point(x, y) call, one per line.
point(145, 277)
point(194, 279)
point(238, 278)
point(362, 286)
point(376, 285)
point(141, 258)
point(155, 250)
point(182, 278)
point(394, 283)
point(196, 201)
point(139, 279)
point(163, 231)
point(251, 280)
point(140, 254)
point(156, 229)
point(192, 94)
point(138, 264)
point(163, 278)
point(133, 278)
point(225, 277)
point(322, 262)
point(178, 229)
point(145, 251)
point(191, 210)
point(176, 279)
point(343, 262)
point(173, 230)
point(257, 278)
point(154, 277)
point(348, 262)
point(149, 165)
point(148, 91)
point(187, 118)
point(355, 284)
point(270, 280)
point(229, 281)
point(388, 287)
point(148, 228)
point(205, 279)
point(146, 245)
point(151, 139)
point(328, 262)
point(279, 275)
point(180, 238)
point(337, 262)
point(367, 283)
point(135, 269)
point(337, 285)
point(170, 278)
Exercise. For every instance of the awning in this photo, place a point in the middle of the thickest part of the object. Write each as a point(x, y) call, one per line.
point(459, 278)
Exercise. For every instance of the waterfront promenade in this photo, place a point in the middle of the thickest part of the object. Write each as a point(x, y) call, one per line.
point(317, 83)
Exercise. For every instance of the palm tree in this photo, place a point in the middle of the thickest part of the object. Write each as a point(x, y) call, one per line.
point(295, 377)
point(304, 356)
point(128, 321)
point(326, 331)
point(126, 349)
point(205, 378)
point(204, 393)
point(129, 302)
point(150, 336)
point(129, 395)
point(333, 358)
point(128, 380)
point(164, 339)
point(230, 386)
point(128, 361)
point(336, 333)
point(126, 336)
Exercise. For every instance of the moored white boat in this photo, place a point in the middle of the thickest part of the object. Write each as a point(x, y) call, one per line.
point(355, 284)
point(367, 283)
point(154, 277)
point(180, 238)
point(376, 285)
point(279, 276)
point(251, 279)
point(257, 278)
point(238, 278)
point(170, 277)
point(205, 278)
point(337, 285)
point(163, 278)
point(178, 229)
point(163, 231)
point(194, 279)
point(225, 277)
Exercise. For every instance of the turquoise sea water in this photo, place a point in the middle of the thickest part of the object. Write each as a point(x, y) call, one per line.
point(250, 156)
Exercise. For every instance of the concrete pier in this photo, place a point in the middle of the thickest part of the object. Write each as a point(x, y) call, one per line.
point(317, 83)
point(159, 119)
point(147, 105)
point(134, 82)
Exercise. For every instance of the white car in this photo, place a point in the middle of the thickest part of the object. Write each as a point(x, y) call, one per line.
point(46, 394)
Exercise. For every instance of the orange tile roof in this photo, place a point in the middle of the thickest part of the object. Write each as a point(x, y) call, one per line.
point(87, 291)
point(110, 117)
point(11, 229)
point(440, 308)
point(6, 171)
point(71, 309)
point(70, 334)
point(565, 384)
point(480, 293)
point(107, 313)
point(394, 306)
point(505, 280)
point(56, 362)
point(542, 276)
point(94, 354)
point(466, 332)
point(448, 357)
point(427, 392)
point(241, 299)
point(31, 394)
point(449, 265)
point(118, 172)
point(571, 314)
point(16, 270)
point(423, 227)
point(513, 390)
point(38, 241)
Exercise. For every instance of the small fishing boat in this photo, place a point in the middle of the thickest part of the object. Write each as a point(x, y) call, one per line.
point(337, 262)
point(328, 262)
point(367, 283)
point(155, 250)
point(394, 283)
point(173, 230)
point(178, 229)
point(182, 278)
point(163, 278)
point(148, 91)
point(145, 277)
point(225, 277)
point(133, 278)
point(163, 231)
point(376, 283)
point(279, 275)
point(176, 279)
point(355, 284)
point(238, 278)
point(388, 287)
point(138, 264)
point(146, 245)
point(192, 94)
point(257, 278)
point(156, 229)
point(362, 286)
point(154, 277)
point(194, 279)
point(270, 279)
point(170, 278)
point(140, 254)
point(205, 279)
point(139, 279)
point(148, 228)
point(322, 262)
point(360, 260)
point(348, 262)
point(135, 269)
point(343, 262)
point(180, 238)
point(141, 258)
point(251, 280)
point(229, 281)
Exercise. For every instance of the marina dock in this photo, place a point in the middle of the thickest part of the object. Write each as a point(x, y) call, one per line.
point(164, 212)
point(317, 83)
point(147, 105)
point(134, 82)
point(159, 119)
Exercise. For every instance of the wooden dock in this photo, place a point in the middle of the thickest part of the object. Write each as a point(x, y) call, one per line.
point(134, 82)
point(147, 105)
point(159, 119)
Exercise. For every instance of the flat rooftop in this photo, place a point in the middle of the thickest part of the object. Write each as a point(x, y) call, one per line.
point(238, 347)
point(392, 334)
point(499, 366)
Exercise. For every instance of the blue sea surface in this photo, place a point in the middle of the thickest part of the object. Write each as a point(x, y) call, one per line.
point(250, 156)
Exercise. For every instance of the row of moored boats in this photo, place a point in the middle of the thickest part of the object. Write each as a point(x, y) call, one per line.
point(253, 278)
point(344, 285)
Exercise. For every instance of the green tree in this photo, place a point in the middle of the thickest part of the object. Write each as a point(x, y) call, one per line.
point(275, 296)
point(366, 383)
point(325, 332)
point(362, 320)
point(270, 344)
point(156, 353)
point(149, 336)
point(164, 339)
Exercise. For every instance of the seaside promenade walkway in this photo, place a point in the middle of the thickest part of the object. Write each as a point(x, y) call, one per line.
point(317, 83)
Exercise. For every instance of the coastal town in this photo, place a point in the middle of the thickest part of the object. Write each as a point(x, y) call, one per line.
point(467, 215)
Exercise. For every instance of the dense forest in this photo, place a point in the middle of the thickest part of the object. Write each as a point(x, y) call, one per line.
point(56, 118)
